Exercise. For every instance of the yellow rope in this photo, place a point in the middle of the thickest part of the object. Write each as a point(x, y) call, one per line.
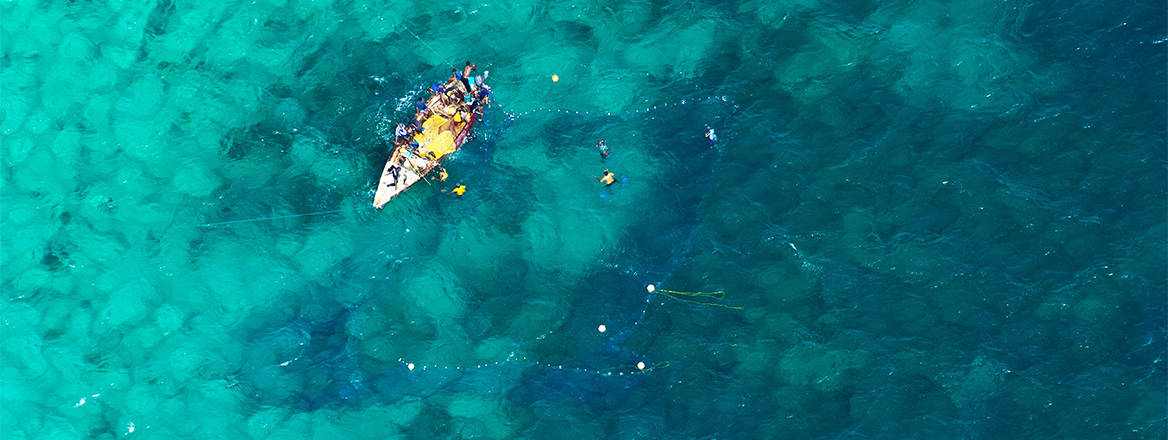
point(715, 295)
point(712, 295)
point(655, 366)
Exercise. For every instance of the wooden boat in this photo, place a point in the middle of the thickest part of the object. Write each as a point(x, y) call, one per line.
point(446, 128)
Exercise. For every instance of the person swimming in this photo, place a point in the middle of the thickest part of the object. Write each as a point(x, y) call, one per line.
point(608, 179)
point(459, 190)
point(711, 136)
point(603, 150)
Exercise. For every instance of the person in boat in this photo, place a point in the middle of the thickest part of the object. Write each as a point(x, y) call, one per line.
point(466, 78)
point(419, 119)
point(395, 172)
point(476, 84)
point(440, 91)
point(400, 132)
point(484, 95)
point(458, 82)
point(475, 105)
point(603, 150)
point(455, 81)
point(482, 90)
point(415, 126)
point(458, 190)
point(608, 179)
point(479, 98)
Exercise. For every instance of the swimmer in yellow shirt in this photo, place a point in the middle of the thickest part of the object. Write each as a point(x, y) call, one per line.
point(459, 190)
point(608, 178)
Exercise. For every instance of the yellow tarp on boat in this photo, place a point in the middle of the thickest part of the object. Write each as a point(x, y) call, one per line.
point(438, 138)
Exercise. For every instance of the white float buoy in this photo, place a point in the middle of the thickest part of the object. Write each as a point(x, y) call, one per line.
point(602, 328)
point(650, 288)
point(640, 365)
point(410, 366)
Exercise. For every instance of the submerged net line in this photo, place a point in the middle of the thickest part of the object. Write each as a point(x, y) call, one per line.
point(428, 46)
point(640, 368)
point(277, 217)
point(643, 366)
point(686, 101)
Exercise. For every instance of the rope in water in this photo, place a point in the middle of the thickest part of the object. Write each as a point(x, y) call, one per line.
point(429, 47)
point(704, 100)
point(676, 296)
point(277, 217)
point(640, 368)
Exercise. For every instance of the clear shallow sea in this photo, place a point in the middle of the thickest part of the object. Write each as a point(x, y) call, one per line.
point(940, 219)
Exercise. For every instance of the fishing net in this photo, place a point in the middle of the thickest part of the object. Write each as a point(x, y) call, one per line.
point(438, 138)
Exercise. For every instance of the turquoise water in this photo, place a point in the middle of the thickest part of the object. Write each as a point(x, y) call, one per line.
point(940, 220)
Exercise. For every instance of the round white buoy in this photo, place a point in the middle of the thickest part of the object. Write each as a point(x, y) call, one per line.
point(650, 288)
point(640, 365)
point(410, 366)
point(602, 328)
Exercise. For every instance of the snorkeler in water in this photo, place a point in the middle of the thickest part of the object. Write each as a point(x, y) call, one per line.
point(603, 150)
point(608, 179)
point(458, 190)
